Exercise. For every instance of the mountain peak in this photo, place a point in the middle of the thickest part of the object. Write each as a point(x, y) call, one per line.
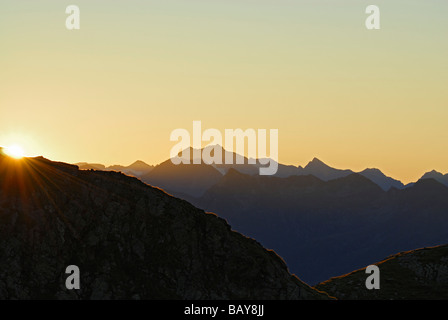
point(378, 177)
point(316, 163)
point(428, 182)
point(432, 173)
point(324, 172)
point(443, 179)
point(373, 170)
point(140, 164)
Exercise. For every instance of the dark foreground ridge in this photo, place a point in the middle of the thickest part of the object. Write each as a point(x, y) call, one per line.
point(129, 240)
point(420, 274)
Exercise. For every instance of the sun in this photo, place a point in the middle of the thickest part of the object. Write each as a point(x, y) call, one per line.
point(15, 151)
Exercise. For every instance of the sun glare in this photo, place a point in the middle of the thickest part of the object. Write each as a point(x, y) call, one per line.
point(15, 151)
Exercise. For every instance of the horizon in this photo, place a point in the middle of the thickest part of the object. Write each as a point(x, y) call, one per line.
point(106, 165)
point(113, 91)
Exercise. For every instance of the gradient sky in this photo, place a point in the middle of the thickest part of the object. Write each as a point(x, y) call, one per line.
point(113, 91)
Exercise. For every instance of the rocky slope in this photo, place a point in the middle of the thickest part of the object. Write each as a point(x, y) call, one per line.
point(413, 275)
point(129, 240)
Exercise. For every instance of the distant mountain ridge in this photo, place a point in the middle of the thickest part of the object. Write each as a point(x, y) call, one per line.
point(136, 169)
point(381, 179)
point(324, 172)
point(315, 167)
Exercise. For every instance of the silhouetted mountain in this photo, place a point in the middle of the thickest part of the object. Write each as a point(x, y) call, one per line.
point(129, 240)
point(137, 169)
point(90, 166)
point(381, 179)
point(243, 165)
point(413, 275)
point(437, 176)
point(315, 167)
point(328, 228)
point(324, 172)
point(189, 179)
point(323, 221)
point(192, 180)
point(140, 166)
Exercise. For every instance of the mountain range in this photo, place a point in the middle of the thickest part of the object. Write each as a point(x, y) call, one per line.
point(134, 241)
point(327, 228)
point(136, 169)
point(164, 177)
point(323, 221)
point(128, 239)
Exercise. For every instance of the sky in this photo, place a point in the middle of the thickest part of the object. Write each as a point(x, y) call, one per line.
point(113, 91)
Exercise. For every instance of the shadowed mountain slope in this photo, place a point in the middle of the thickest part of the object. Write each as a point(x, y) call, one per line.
point(129, 240)
point(190, 179)
point(327, 228)
point(420, 274)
